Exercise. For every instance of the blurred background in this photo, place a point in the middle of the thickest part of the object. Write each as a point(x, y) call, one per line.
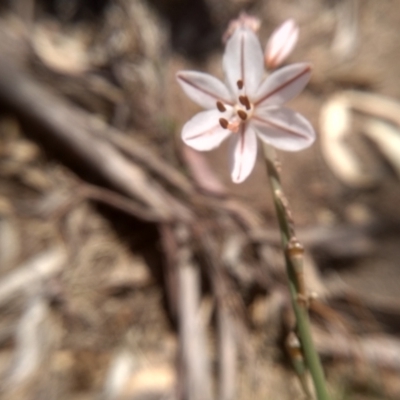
point(131, 267)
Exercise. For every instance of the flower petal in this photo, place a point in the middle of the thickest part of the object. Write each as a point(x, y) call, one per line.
point(282, 85)
point(281, 43)
point(203, 89)
point(283, 129)
point(243, 60)
point(203, 132)
point(243, 153)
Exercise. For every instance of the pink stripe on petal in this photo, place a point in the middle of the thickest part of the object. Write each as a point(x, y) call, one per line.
point(283, 85)
point(203, 132)
point(284, 129)
point(243, 60)
point(243, 153)
point(203, 89)
point(279, 127)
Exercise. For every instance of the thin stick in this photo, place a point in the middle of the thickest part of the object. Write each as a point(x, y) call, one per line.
point(195, 362)
point(227, 348)
point(293, 257)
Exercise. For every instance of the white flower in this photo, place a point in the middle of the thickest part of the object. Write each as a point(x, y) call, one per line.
point(246, 106)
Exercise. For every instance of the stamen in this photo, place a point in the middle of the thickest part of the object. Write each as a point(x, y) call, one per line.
point(242, 114)
point(224, 123)
point(239, 84)
point(220, 106)
point(245, 101)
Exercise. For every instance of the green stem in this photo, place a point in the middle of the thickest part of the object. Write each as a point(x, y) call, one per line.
point(300, 307)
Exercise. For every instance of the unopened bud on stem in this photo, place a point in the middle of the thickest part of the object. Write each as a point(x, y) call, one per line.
point(281, 44)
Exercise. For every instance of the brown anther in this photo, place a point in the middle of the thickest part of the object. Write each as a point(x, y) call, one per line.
point(220, 106)
point(239, 84)
point(242, 114)
point(245, 101)
point(224, 123)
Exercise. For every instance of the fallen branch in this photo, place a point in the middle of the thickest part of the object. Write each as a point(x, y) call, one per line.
point(70, 129)
point(32, 273)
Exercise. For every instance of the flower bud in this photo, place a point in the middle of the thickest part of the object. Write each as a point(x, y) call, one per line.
point(281, 44)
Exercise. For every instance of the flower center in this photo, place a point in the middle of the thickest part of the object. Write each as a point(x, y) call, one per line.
point(243, 111)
